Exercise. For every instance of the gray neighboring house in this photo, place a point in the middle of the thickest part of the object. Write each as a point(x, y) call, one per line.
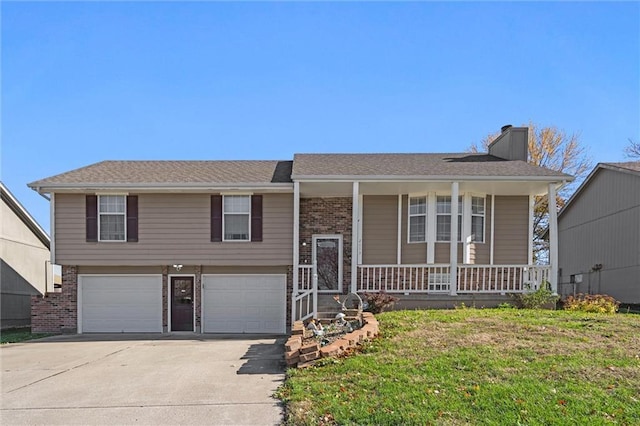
point(599, 234)
point(24, 261)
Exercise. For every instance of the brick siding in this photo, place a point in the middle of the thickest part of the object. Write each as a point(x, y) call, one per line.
point(57, 312)
point(327, 216)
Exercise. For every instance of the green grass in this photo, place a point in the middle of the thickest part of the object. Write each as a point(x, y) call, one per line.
point(15, 335)
point(479, 367)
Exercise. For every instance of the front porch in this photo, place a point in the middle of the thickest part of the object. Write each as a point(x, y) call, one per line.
point(406, 235)
point(424, 285)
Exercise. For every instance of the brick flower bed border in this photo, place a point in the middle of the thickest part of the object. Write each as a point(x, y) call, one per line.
point(298, 355)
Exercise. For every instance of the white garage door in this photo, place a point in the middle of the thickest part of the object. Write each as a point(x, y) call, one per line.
point(120, 304)
point(244, 303)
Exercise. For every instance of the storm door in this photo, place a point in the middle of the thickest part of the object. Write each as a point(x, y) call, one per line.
point(181, 303)
point(327, 257)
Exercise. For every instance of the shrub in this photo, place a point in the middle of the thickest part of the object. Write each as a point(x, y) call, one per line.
point(538, 298)
point(599, 303)
point(377, 302)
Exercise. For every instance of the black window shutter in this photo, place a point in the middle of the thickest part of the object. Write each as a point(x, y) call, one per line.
point(132, 218)
point(256, 218)
point(92, 218)
point(216, 218)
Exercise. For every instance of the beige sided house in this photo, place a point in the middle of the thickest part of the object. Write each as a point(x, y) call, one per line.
point(250, 246)
point(24, 261)
point(599, 234)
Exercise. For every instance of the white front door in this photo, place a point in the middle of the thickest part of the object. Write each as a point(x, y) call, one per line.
point(327, 257)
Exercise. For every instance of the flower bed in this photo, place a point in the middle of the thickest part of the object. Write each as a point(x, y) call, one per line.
point(302, 350)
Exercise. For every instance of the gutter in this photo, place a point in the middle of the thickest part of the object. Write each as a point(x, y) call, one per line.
point(155, 187)
point(439, 178)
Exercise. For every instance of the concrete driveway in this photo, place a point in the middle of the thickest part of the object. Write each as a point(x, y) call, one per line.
point(142, 379)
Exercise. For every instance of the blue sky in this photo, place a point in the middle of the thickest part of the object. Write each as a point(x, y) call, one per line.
point(86, 82)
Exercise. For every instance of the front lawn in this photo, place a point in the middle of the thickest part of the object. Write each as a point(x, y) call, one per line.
point(469, 366)
point(15, 335)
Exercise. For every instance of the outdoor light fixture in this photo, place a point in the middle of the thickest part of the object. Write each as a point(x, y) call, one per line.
point(177, 267)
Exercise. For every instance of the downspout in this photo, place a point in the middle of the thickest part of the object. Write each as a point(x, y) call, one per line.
point(52, 228)
point(46, 278)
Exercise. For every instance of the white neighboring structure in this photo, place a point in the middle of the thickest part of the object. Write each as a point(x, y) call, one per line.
point(25, 268)
point(599, 234)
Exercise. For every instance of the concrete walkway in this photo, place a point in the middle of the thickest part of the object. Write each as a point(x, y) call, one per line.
point(179, 379)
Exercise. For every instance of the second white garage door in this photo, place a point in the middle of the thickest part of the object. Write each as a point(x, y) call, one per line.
point(120, 304)
point(244, 304)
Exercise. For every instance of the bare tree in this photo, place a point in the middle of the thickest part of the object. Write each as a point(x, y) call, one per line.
point(557, 150)
point(633, 149)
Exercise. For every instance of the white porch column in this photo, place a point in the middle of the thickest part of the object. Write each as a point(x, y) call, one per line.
point(360, 203)
point(399, 240)
point(466, 228)
point(453, 244)
point(355, 236)
point(553, 238)
point(296, 246)
point(493, 226)
point(431, 227)
point(531, 210)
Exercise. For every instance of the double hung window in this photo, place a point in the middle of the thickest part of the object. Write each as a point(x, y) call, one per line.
point(112, 213)
point(236, 217)
point(443, 218)
point(417, 219)
point(477, 219)
point(429, 218)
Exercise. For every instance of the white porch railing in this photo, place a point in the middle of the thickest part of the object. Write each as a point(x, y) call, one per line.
point(305, 277)
point(497, 279)
point(403, 278)
point(501, 278)
point(305, 302)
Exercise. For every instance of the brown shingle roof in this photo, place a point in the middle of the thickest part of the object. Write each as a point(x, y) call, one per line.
point(174, 172)
point(426, 165)
point(259, 172)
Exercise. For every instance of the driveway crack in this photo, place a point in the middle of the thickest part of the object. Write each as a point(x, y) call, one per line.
point(69, 369)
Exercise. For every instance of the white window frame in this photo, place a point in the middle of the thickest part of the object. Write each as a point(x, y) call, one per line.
point(224, 214)
point(461, 218)
point(483, 216)
point(425, 214)
point(123, 214)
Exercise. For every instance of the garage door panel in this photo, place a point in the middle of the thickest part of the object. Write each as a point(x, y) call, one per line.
point(244, 303)
point(121, 304)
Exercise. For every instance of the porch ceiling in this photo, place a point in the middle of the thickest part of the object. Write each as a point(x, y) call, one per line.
point(345, 189)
